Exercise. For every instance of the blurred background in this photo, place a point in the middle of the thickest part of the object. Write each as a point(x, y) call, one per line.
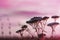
point(15, 13)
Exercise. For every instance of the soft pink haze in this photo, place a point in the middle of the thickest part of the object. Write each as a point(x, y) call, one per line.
point(36, 7)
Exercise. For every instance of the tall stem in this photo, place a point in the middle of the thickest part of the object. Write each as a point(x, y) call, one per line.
point(55, 19)
point(41, 26)
point(52, 32)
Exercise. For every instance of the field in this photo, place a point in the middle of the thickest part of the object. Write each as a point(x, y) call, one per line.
point(26, 38)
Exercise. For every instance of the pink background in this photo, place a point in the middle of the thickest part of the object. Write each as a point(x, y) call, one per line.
point(36, 7)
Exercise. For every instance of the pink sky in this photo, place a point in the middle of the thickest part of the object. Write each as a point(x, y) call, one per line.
point(43, 6)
